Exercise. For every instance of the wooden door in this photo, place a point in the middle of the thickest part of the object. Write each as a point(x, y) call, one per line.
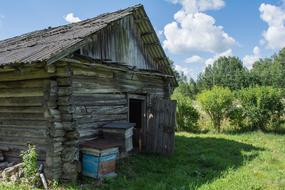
point(161, 126)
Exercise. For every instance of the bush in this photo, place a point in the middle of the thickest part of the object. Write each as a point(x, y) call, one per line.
point(258, 108)
point(30, 165)
point(217, 103)
point(186, 115)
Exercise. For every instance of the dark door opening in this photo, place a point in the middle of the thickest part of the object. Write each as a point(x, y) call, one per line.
point(136, 115)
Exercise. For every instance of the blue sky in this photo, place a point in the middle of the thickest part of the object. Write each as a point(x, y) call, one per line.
point(201, 31)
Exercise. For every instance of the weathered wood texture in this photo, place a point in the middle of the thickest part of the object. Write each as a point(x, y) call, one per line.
point(29, 114)
point(70, 153)
point(22, 119)
point(100, 95)
point(160, 131)
point(124, 46)
point(56, 106)
point(55, 132)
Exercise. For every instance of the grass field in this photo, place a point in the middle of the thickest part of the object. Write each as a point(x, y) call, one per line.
point(253, 161)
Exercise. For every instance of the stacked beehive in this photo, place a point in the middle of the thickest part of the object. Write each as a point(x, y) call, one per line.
point(121, 133)
point(99, 158)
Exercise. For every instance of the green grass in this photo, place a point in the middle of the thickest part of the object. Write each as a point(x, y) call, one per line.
point(253, 161)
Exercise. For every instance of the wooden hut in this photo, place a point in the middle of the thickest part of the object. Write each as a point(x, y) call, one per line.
point(59, 85)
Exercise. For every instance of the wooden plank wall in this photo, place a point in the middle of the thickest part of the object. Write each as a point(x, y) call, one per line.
point(124, 45)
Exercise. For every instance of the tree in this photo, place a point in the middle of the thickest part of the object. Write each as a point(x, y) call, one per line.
point(187, 88)
point(261, 73)
point(217, 103)
point(225, 72)
point(269, 72)
point(192, 88)
point(260, 106)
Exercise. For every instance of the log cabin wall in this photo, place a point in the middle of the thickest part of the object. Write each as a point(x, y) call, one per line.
point(29, 114)
point(100, 95)
point(22, 119)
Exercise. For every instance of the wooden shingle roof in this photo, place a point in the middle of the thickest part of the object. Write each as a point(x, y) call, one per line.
point(54, 43)
point(43, 44)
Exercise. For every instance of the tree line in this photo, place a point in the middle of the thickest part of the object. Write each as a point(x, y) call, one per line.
point(229, 72)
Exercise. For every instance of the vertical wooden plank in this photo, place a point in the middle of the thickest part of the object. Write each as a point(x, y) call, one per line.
point(161, 127)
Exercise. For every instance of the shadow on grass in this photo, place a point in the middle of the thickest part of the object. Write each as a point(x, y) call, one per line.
point(195, 162)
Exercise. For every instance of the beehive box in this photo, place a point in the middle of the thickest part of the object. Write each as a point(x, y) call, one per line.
point(99, 159)
point(122, 133)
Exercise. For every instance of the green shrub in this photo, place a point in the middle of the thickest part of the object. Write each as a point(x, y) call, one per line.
point(186, 115)
point(217, 103)
point(258, 108)
point(30, 166)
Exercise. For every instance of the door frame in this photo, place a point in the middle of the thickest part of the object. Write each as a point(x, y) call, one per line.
point(143, 98)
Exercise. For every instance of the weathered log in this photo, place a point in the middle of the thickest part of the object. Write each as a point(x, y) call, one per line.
point(64, 82)
point(66, 109)
point(72, 135)
point(22, 124)
point(19, 109)
point(22, 116)
point(81, 100)
point(64, 91)
point(22, 101)
point(36, 83)
point(24, 132)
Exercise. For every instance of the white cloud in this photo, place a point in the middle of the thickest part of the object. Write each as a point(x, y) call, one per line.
point(185, 70)
point(194, 59)
point(71, 18)
point(192, 6)
point(249, 60)
point(274, 16)
point(226, 53)
point(192, 30)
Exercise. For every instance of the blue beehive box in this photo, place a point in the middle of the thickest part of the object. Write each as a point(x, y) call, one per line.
point(99, 162)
